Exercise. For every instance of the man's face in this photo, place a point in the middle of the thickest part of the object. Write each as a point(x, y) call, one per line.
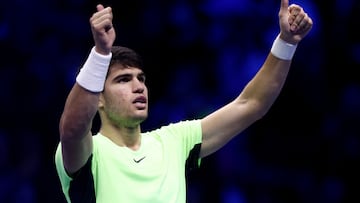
point(125, 96)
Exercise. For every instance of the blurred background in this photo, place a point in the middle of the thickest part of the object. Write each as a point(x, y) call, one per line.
point(198, 56)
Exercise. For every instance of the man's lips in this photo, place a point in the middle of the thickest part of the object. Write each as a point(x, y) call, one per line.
point(140, 102)
point(140, 99)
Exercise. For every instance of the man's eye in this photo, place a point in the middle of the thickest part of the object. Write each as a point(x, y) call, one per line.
point(121, 80)
point(142, 78)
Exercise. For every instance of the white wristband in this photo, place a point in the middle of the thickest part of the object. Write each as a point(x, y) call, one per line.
point(282, 49)
point(92, 75)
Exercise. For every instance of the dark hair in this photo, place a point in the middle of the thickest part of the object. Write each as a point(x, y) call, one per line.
point(126, 57)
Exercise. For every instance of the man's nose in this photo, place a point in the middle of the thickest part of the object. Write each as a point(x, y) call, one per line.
point(138, 86)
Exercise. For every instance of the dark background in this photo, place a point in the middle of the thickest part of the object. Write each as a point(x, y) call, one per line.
point(198, 56)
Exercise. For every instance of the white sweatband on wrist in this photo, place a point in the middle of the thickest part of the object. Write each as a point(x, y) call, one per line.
point(93, 74)
point(282, 49)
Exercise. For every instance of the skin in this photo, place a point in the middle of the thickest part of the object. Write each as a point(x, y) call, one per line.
point(121, 117)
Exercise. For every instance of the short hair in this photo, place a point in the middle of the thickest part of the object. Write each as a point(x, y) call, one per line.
point(126, 57)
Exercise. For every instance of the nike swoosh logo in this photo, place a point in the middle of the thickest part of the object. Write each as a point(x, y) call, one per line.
point(137, 161)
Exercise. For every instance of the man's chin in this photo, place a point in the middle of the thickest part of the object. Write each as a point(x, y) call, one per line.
point(141, 117)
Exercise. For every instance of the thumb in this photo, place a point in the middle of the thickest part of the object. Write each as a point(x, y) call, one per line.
point(284, 6)
point(99, 7)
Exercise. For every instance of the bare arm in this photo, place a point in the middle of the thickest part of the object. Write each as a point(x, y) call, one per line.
point(261, 92)
point(81, 104)
point(75, 124)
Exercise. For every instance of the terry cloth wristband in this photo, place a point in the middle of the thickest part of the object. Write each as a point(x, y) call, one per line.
point(282, 49)
point(92, 75)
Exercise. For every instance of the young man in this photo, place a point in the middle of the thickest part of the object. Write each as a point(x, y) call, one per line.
point(122, 164)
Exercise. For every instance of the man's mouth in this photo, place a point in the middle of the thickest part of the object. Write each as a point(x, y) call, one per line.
point(140, 99)
point(140, 102)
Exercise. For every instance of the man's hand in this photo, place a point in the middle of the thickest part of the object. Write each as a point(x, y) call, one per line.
point(102, 29)
point(295, 23)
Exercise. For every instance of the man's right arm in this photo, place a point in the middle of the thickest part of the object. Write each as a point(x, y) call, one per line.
point(82, 102)
point(75, 125)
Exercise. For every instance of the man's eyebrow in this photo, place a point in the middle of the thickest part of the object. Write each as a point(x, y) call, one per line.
point(125, 75)
point(142, 74)
point(122, 76)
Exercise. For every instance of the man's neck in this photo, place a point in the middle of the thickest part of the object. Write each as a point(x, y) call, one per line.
point(123, 136)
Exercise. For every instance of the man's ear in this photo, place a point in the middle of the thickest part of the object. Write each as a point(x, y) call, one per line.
point(101, 101)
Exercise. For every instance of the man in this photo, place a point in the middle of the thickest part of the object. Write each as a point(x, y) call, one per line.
point(122, 164)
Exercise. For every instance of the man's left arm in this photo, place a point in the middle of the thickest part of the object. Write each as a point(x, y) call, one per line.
point(261, 92)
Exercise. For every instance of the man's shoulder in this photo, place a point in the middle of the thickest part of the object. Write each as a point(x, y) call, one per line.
point(175, 125)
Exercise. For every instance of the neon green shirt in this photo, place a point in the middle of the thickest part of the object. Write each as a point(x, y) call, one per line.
point(154, 173)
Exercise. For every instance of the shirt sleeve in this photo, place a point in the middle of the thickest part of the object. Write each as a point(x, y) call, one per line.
point(65, 179)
